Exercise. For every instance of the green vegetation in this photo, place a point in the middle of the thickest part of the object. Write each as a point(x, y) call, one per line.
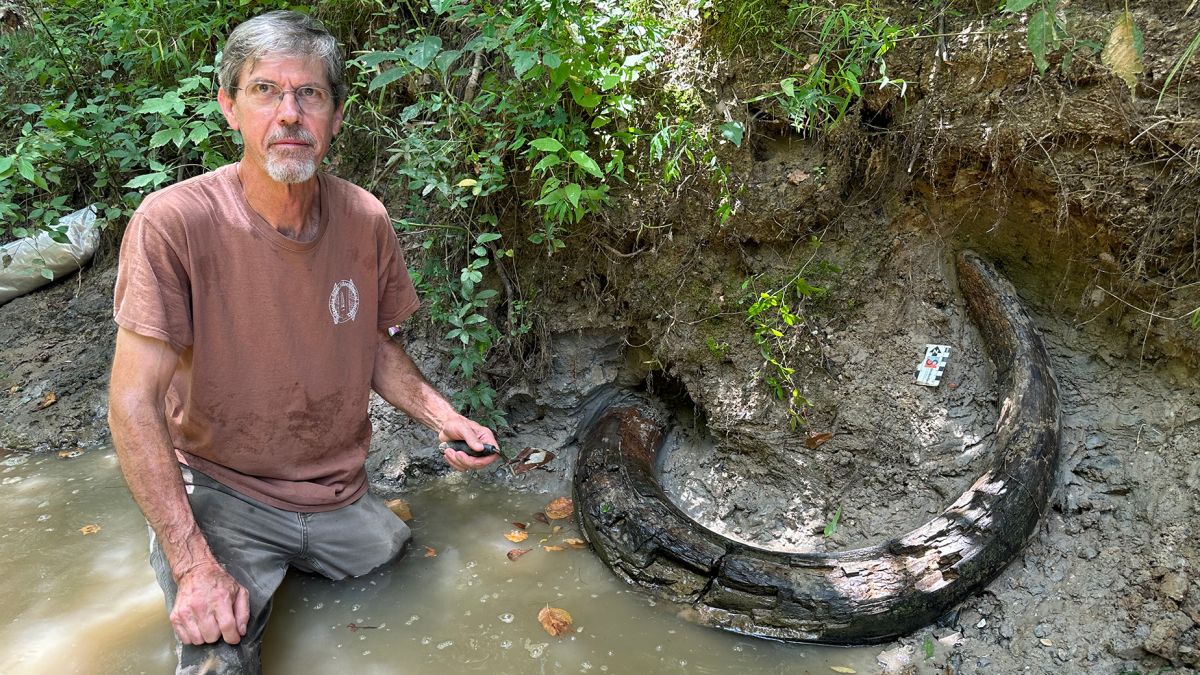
point(107, 100)
point(776, 318)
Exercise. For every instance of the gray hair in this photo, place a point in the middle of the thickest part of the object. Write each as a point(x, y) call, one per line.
point(286, 33)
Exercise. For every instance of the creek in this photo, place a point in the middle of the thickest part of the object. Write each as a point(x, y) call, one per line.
point(88, 603)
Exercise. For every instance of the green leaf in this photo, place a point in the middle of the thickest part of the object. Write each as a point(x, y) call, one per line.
point(927, 647)
point(583, 96)
point(6, 163)
point(30, 108)
point(788, 85)
point(145, 179)
point(440, 6)
point(161, 106)
point(372, 59)
point(387, 77)
point(546, 144)
point(609, 81)
point(522, 61)
point(162, 137)
point(1017, 5)
point(199, 134)
point(733, 132)
point(573, 191)
point(447, 59)
point(547, 162)
point(422, 53)
point(833, 523)
point(1040, 37)
point(551, 60)
point(551, 199)
point(25, 168)
point(20, 232)
point(586, 163)
point(487, 237)
point(47, 273)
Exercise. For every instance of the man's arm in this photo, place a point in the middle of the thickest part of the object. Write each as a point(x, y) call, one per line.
point(209, 603)
point(398, 380)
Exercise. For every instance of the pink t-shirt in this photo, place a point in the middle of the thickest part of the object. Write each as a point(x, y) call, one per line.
point(276, 338)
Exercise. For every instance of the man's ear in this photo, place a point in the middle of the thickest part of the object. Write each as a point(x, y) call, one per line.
point(338, 116)
point(226, 102)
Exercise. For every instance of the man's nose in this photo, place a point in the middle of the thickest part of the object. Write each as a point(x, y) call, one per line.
point(288, 110)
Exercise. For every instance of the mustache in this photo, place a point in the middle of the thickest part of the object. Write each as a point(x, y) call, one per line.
point(292, 134)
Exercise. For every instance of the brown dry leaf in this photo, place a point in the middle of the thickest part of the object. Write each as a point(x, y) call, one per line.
point(816, 440)
point(517, 536)
point(89, 529)
point(70, 454)
point(575, 543)
point(556, 529)
point(842, 669)
point(14, 389)
point(1122, 53)
point(517, 553)
point(48, 400)
point(556, 621)
point(400, 508)
point(554, 548)
point(519, 526)
point(541, 518)
point(529, 459)
point(560, 508)
point(797, 176)
point(430, 552)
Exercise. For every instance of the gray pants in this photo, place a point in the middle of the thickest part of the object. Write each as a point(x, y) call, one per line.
point(257, 543)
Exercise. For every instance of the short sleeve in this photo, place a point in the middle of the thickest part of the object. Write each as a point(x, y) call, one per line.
point(153, 292)
point(397, 297)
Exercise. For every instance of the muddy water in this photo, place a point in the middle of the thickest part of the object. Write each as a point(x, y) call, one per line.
point(87, 603)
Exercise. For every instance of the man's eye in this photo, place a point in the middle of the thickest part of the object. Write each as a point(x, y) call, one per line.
point(311, 93)
point(262, 88)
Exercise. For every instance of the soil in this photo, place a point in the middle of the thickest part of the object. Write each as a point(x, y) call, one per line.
point(1088, 199)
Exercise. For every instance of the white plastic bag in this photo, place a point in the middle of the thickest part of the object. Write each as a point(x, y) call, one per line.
point(23, 275)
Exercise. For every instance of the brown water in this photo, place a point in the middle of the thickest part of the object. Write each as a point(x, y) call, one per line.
point(76, 603)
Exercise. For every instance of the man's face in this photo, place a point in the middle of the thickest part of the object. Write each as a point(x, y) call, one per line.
point(286, 141)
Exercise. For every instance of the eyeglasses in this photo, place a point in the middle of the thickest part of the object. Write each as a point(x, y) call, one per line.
point(269, 95)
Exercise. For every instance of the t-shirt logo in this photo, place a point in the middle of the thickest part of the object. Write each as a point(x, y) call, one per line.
point(343, 301)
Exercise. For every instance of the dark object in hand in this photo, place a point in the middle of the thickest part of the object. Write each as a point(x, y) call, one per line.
point(461, 446)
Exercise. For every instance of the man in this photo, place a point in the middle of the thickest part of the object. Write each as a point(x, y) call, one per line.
point(253, 304)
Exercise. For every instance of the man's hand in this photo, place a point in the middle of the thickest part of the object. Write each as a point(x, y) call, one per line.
point(459, 428)
point(209, 605)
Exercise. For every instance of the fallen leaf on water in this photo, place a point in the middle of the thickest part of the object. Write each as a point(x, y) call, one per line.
point(554, 548)
point(48, 400)
point(842, 669)
point(541, 518)
point(556, 621)
point(400, 508)
point(89, 529)
point(575, 543)
point(816, 440)
point(70, 454)
point(430, 552)
point(517, 536)
point(353, 627)
point(517, 553)
point(560, 508)
point(556, 530)
point(519, 526)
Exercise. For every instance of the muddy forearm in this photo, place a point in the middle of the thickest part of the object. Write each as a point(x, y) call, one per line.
point(152, 474)
point(398, 380)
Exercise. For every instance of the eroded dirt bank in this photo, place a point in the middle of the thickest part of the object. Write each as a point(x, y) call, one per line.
point(1085, 197)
